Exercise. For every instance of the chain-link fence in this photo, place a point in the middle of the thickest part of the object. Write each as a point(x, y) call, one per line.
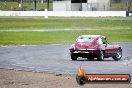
point(121, 5)
point(25, 5)
point(40, 5)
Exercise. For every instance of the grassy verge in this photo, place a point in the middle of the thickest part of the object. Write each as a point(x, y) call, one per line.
point(55, 37)
point(41, 23)
point(63, 37)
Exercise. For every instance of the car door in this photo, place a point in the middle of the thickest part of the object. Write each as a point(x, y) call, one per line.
point(109, 49)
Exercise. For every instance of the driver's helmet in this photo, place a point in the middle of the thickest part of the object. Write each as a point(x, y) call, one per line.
point(104, 40)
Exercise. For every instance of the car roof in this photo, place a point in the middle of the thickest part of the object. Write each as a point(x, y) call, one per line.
point(93, 36)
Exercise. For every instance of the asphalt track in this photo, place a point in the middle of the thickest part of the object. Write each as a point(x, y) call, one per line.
point(56, 59)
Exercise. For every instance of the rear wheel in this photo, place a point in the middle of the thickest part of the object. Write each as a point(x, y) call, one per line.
point(118, 55)
point(100, 56)
point(73, 56)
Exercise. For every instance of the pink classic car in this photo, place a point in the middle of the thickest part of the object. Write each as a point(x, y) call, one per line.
point(94, 46)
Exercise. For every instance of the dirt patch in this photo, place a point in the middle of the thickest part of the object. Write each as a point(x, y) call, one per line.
point(21, 79)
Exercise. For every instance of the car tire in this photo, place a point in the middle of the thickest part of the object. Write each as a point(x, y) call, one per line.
point(73, 56)
point(118, 55)
point(100, 56)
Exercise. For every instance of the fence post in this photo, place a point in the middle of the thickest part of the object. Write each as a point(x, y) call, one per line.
point(46, 14)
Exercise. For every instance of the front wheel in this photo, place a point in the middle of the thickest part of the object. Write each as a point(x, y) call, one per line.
point(118, 55)
point(100, 56)
point(73, 56)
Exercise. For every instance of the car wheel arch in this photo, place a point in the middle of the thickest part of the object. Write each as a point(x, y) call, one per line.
point(120, 48)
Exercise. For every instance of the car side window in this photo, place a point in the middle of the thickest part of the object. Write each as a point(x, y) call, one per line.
point(100, 41)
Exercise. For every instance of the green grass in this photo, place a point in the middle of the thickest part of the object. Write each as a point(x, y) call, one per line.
point(41, 23)
point(119, 7)
point(63, 37)
point(7, 6)
point(60, 37)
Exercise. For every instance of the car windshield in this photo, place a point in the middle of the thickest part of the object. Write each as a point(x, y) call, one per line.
point(85, 39)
